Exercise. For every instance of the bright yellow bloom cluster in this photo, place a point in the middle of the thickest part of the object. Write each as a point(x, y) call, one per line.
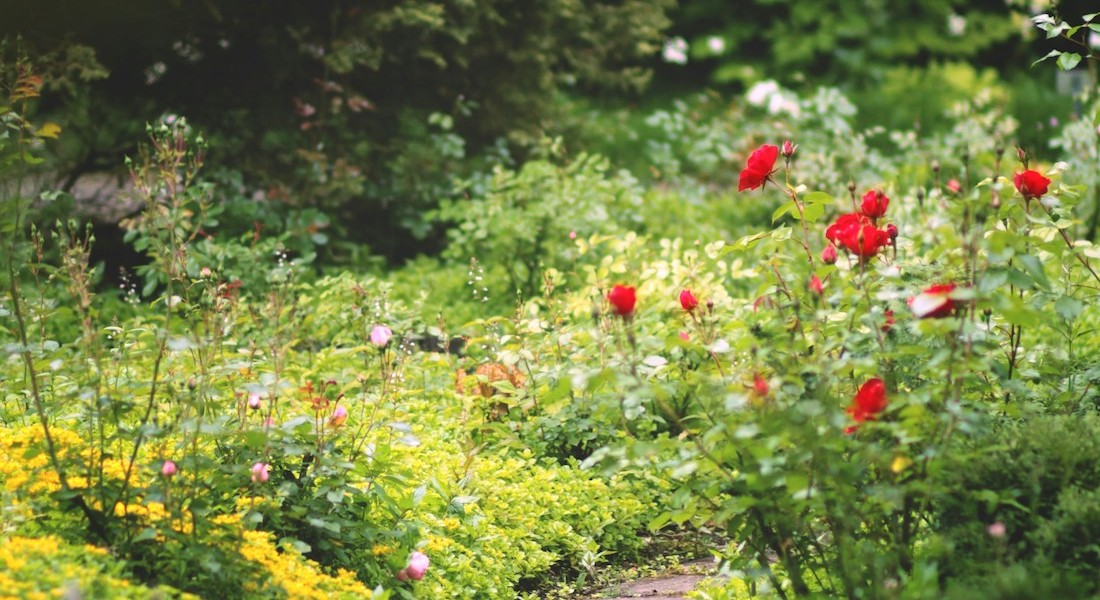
point(25, 465)
point(46, 567)
point(155, 513)
point(300, 577)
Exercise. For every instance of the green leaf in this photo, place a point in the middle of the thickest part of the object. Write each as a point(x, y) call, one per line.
point(1035, 268)
point(1089, 17)
point(1051, 54)
point(1068, 60)
point(813, 212)
point(1068, 307)
point(659, 521)
point(784, 209)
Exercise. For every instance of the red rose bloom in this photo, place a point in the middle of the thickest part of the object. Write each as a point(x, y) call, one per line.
point(874, 204)
point(869, 401)
point(688, 301)
point(844, 224)
point(759, 167)
point(865, 241)
point(934, 302)
point(622, 299)
point(1031, 184)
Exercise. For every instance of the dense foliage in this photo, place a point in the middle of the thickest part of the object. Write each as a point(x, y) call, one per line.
point(845, 361)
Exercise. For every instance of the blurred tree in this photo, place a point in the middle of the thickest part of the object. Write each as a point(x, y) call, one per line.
point(365, 107)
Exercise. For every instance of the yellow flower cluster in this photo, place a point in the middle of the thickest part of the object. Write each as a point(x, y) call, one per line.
point(155, 513)
point(25, 465)
point(301, 578)
point(47, 567)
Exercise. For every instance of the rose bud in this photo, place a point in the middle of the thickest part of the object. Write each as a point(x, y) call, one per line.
point(688, 301)
point(418, 566)
point(828, 255)
point(339, 416)
point(259, 473)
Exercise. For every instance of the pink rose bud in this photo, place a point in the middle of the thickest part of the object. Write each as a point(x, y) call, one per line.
point(418, 566)
point(205, 272)
point(892, 231)
point(954, 186)
point(169, 468)
point(338, 416)
point(254, 401)
point(828, 255)
point(789, 148)
point(685, 336)
point(996, 530)
point(259, 473)
point(380, 335)
point(572, 235)
point(760, 385)
point(816, 286)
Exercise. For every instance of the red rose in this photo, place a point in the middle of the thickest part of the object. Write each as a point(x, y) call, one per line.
point(892, 231)
point(688, 300)
point(934, 302)
point(844, 224)
point(865, 241)
point(869, 401)
point(1031, 184)
point(874, 204)
point(759, 167)
point(622, 299)
point(855, 232)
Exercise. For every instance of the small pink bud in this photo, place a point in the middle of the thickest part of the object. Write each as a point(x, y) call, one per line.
point(254, 401)
point(828, 255)
point(954, 186)
point(892, 231)
point(760, 385)
point(684, 336)
point(259, 473)
point(789, 148)
point(169, 468)
point(338, 416)
point(418, 566)
point(996, 530)
point(572, 235)
point(380, 335)
point(816, 286)
point(205, 272)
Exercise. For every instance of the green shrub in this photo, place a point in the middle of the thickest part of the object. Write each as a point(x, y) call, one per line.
point(1040, 478)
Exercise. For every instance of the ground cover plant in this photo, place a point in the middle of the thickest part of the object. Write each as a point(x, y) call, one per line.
point(842, 361)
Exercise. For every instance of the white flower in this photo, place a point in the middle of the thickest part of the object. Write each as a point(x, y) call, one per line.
point(956, 24)
point(716, 44)
point(760, 92)
point(675, 51)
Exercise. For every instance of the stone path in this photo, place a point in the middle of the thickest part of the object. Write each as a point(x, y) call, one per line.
point(669, 586)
